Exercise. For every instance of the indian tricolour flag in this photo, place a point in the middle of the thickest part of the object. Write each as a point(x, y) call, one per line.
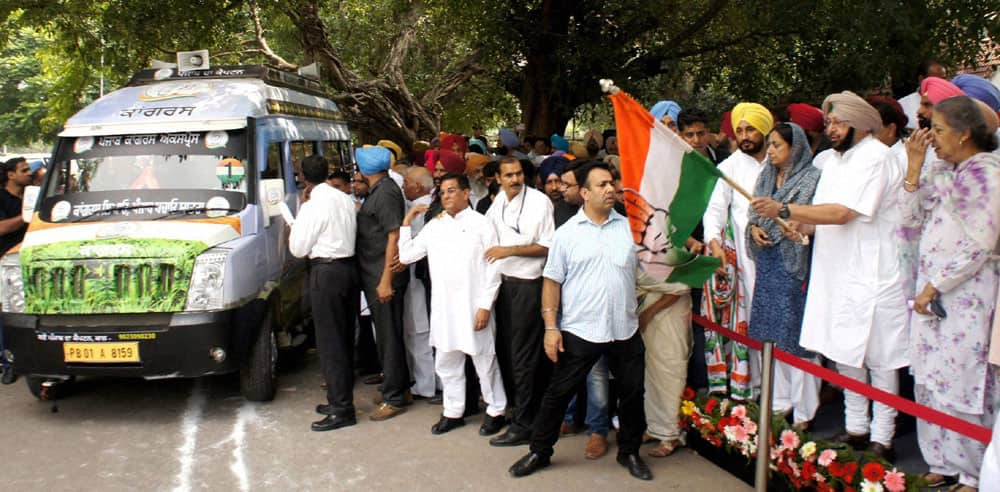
point(667, 187)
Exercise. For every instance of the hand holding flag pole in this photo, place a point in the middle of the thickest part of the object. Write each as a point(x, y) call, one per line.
point(608, 86)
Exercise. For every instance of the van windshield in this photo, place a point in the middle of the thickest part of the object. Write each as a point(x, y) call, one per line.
point(146, 175)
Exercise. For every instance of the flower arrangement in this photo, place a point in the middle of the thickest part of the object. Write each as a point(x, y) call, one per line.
point(796, 458)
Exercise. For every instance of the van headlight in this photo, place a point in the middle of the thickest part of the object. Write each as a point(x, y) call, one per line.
point(11, 284)
point(205, 291)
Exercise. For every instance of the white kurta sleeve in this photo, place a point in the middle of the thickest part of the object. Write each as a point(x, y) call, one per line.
point(305, 231)
point(491, 277)
point(412, 249)
point(548, 226)
point(717, 214)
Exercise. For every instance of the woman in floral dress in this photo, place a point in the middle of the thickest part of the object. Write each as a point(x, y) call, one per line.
point(956, 202)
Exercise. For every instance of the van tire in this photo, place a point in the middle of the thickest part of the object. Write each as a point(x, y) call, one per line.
point(258, 370)
point(35, 385)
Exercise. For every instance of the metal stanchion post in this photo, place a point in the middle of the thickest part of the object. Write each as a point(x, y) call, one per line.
point(764, 423)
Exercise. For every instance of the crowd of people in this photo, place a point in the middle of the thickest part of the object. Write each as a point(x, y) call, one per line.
point(509, 271)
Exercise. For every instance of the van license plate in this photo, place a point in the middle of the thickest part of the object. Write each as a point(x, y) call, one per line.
point(101, 352)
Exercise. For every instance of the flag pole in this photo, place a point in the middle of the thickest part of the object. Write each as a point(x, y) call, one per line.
point(608, 86)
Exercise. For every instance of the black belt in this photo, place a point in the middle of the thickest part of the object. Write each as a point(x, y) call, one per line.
point(325, 261)
point(506, 278)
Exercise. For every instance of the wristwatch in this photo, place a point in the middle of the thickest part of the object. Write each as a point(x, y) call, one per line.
point(784, 212)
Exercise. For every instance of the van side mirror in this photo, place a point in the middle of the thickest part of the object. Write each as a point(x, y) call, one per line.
point(272, 194)
point(28, 203)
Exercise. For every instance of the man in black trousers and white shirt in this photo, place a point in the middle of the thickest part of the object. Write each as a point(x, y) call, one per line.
point(325, 232)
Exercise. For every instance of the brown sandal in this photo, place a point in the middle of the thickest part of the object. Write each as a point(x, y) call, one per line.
point(666, 448)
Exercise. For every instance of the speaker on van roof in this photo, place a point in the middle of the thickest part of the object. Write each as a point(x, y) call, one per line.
point(192, 60)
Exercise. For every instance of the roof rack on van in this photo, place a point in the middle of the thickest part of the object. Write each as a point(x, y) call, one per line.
point(269, 75)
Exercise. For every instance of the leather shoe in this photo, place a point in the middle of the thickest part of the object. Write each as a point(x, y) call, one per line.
point(331, 422)
point(511, 438)
point(446, 424)
point(492, 425)
point(8, 375)
point(528, 464)
point(882, 451)
point(324, 409)
point(856, 441)
point(636, 467)
point(597, 446)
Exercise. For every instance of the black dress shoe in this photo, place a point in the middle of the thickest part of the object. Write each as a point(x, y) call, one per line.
point(8, 376)
point(331, 422)
point(636, 467)
point(511, 438)
point(492, 425)
point(882, 451)
point(528, 464)
point(856, 441)
point(446, 424)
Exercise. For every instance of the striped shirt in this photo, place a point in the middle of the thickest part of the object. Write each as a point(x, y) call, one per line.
point(595, 264)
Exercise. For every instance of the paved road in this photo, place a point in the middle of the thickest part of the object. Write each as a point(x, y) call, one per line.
point(200, 434)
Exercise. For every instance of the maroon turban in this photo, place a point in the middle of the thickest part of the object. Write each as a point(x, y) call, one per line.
point(810, 118)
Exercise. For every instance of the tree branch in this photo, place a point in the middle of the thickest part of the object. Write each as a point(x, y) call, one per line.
point(457, 76)
point(701, 22)
point(265, 49)
point(393, 64)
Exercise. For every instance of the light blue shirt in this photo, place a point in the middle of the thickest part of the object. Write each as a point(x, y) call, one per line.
point(596, 266)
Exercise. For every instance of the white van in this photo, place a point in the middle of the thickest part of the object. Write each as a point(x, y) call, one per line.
point(156, 247)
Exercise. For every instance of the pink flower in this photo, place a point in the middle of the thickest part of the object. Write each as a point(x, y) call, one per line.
point(750, 426)
point(739, 411)
point(827, 457)
point(789, 439)
point(740, 433)
point(895, 481)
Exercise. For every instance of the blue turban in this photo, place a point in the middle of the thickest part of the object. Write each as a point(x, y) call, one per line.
point(979, 88)
point(372, 160)
point(559, 143)
point(552, 165)
point(509, 139)
point(478, 143)
point(665, 107)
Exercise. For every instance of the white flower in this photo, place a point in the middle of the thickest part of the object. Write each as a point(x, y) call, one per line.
point(867, 486)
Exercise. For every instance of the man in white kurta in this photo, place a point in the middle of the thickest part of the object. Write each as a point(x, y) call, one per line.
point(856, 313)
point(417, 186)
point(752, 122)
point(466, 284)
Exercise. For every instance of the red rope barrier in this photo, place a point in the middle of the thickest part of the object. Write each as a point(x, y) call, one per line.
point(952, 423)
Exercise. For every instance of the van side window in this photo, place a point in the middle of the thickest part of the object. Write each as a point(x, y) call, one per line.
point(332, 153)
point(274, 169)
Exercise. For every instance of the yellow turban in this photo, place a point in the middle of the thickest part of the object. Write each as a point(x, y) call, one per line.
point(756, 115)
point(393, 149)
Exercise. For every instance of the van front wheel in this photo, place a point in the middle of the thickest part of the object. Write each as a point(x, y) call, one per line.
point(258, 371)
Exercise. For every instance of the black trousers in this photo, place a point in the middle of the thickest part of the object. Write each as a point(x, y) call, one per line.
point(334, 289)
point(626, 361)
point(519, 347)
point(388, 319)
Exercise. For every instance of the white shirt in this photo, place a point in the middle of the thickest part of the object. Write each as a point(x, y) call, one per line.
point(415, 316)
point(855, 311)
point(463, 280)
point(744, 170)
point(527, 219)
point(326, 226)
point(910, 105)
point(397, 178)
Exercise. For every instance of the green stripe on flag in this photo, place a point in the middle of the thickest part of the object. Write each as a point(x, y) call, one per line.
point(698, 177)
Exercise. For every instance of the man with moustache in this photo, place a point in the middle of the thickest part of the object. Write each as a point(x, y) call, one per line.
point(589, 306)
point(725, 224)
point(692, 125)
point(523, 219)
point(456, 244)
point(855, 313)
